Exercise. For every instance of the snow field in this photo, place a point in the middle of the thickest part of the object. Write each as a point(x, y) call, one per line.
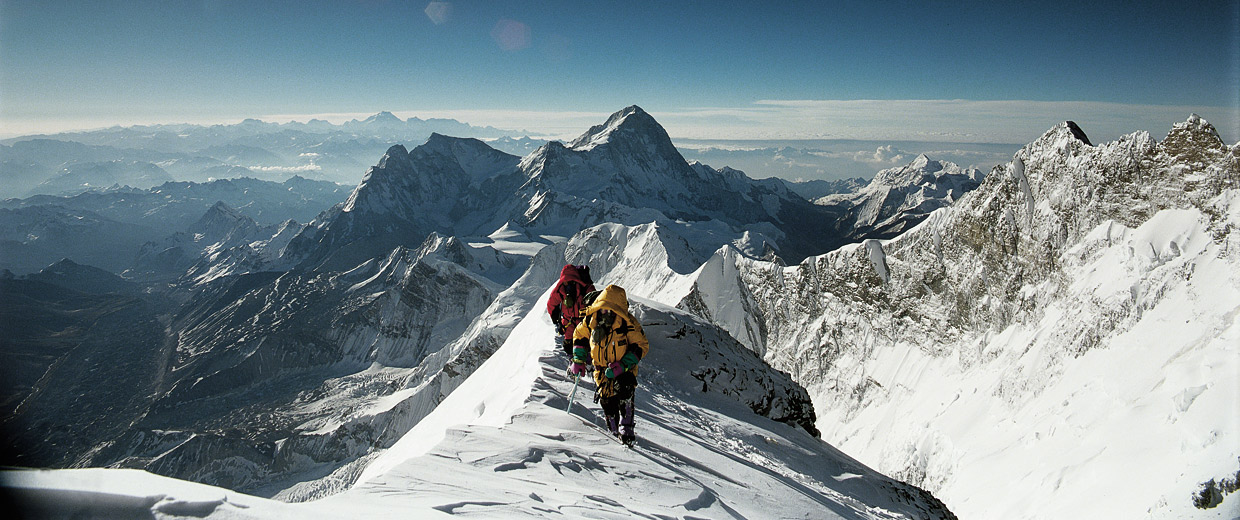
point(1126, 430)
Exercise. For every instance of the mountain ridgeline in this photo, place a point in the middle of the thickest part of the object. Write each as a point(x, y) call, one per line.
point(283, 359)
point(626, 170)
point(1028, 338)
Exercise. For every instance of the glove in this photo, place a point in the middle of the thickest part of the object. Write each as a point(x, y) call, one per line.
point(629, 361)
point(576, 369)
point(614, 369)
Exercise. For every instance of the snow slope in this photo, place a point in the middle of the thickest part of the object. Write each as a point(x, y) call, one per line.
point(1062, 342)
point(1126, 430)
point(502, 446)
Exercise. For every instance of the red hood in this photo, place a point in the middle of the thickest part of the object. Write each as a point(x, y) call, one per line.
point(569, 272)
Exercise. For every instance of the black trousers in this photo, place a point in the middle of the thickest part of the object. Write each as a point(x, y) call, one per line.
point(615, 391)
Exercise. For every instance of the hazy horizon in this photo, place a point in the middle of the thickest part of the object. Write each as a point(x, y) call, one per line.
point(974, 72)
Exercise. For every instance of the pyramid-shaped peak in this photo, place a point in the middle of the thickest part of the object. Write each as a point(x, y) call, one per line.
point(383, 117)
point(1195, 125)
point(920, 170)
point(219, 219)
point(62, 266)
point(396, 154)
point(631, 121)
point(438, 142)
point(222, 210)
point(631, 110)
point(445, 143)
point(1065, 131)
point(1077, 132)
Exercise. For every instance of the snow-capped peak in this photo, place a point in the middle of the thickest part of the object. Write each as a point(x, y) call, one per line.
point(384, 117)
point(632, 121)
point(477, 159)
point(1194, 125)
point(396, 154)
point(1062, 133)
point(924, 171)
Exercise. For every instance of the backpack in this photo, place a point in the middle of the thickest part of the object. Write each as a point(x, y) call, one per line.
point(589, 298)
point(584, 272)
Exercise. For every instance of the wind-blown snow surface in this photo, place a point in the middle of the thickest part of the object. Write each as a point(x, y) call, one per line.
point(502, 445)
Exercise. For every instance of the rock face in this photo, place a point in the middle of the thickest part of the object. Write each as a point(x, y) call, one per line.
point(220, 228)
point(64, 351)
point(269, 370)
point(990, 326)
point(404, 198)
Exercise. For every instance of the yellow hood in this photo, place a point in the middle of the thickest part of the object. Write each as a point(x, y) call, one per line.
point(612, 298)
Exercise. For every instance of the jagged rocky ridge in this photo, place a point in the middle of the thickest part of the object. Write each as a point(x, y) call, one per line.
point(939, 353)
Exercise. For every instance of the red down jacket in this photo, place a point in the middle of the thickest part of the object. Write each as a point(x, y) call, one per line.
point(564, 305)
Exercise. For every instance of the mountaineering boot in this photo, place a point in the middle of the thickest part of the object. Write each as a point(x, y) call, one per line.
point(626, 422)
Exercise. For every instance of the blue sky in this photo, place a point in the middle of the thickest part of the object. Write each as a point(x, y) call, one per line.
point(966, 71)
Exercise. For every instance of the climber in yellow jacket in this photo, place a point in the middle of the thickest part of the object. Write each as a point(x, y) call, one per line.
point(611, 339)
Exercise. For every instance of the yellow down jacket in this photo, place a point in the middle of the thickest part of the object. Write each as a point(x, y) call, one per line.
point(625, 335)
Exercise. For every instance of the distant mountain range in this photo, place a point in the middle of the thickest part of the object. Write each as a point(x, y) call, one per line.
point(108, 228)
point(145, 156)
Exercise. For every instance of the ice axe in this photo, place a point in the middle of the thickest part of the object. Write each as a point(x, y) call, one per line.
point(572, 394)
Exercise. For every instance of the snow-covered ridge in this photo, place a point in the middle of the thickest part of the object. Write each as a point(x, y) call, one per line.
point(1020, 338)
point(503, 445)
point(624, 171)
point(897, 199)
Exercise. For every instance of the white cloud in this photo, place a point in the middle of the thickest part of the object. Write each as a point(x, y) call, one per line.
point(287, 169)
point(883, 155)
point(959, 121)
